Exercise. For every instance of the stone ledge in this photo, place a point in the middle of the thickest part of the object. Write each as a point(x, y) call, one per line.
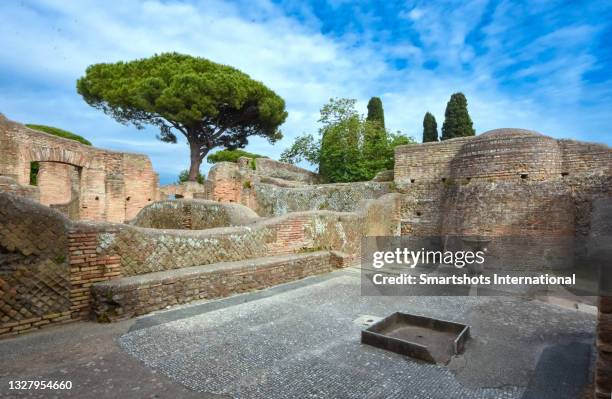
point(132, 296)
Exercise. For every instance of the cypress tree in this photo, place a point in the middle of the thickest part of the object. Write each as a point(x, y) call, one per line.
point(376, 112)
point(457, 121)
point(430, 128)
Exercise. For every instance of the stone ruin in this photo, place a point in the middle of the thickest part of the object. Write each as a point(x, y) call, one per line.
point(254, 224)
point(81, 181)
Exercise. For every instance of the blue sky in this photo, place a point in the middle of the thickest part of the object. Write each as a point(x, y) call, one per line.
point(540, 65)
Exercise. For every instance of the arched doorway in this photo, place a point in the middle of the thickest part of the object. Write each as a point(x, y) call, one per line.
point(57, 173)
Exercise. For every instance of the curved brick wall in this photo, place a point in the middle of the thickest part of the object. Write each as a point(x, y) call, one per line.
point(427, 162)
point(508, 208)
point(144, 250)
point(193, 215)
point(508, 154)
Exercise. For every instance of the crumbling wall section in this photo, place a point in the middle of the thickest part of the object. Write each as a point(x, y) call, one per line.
point(193, 215)
point(280, 170)
point(272, 200)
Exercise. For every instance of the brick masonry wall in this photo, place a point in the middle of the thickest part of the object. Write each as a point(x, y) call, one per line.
point(145, 250)
point(55, 183)
point(113, 186)
point(428, 162)
point(585, 158)
point(507, 154)
point(48, 264)
point(87, 266)
point(502, 154)
point(140, 295)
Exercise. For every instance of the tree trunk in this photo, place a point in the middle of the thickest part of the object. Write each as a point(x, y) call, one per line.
point(196, 161)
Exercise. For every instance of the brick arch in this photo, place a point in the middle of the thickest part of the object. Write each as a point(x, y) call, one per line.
point(57, 154)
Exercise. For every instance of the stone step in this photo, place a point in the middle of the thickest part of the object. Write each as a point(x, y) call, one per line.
point(128, 297)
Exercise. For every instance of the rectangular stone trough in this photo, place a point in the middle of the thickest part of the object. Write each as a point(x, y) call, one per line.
point(420, 337)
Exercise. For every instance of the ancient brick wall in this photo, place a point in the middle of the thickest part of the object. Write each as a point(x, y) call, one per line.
point(502, 154)
point(139, 295)
point(88, 266)
point(56, 182)
point(507, 154)
point(428, 162)
point(112, 186)
point(145, 250)
point(585, 158)
point(227, 181)
point(503, 182)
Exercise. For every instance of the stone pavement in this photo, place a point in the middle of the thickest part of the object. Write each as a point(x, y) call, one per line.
point(301, 340)
point(87, 354)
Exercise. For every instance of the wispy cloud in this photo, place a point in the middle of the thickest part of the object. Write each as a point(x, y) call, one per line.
point(540, 64)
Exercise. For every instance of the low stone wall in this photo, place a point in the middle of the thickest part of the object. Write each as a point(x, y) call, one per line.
point(133, 296)
point(193, 215)
point(144, 250)
point(271, 200)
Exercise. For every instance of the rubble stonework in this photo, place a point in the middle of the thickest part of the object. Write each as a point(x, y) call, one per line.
point(193, 215)
point(106, 185)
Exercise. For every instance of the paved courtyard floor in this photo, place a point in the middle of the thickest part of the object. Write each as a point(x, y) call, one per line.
point(302, 340)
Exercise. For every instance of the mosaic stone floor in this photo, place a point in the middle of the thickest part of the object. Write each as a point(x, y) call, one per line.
point(301, 340)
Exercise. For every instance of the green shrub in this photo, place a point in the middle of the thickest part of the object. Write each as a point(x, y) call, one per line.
point(184, 176)
point(448, 182)
point(59, 132)
point(231, 156)
point(246, 184)
point(34, 168)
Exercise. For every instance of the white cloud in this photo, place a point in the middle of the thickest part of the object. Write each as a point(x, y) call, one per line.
point(48, 44)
